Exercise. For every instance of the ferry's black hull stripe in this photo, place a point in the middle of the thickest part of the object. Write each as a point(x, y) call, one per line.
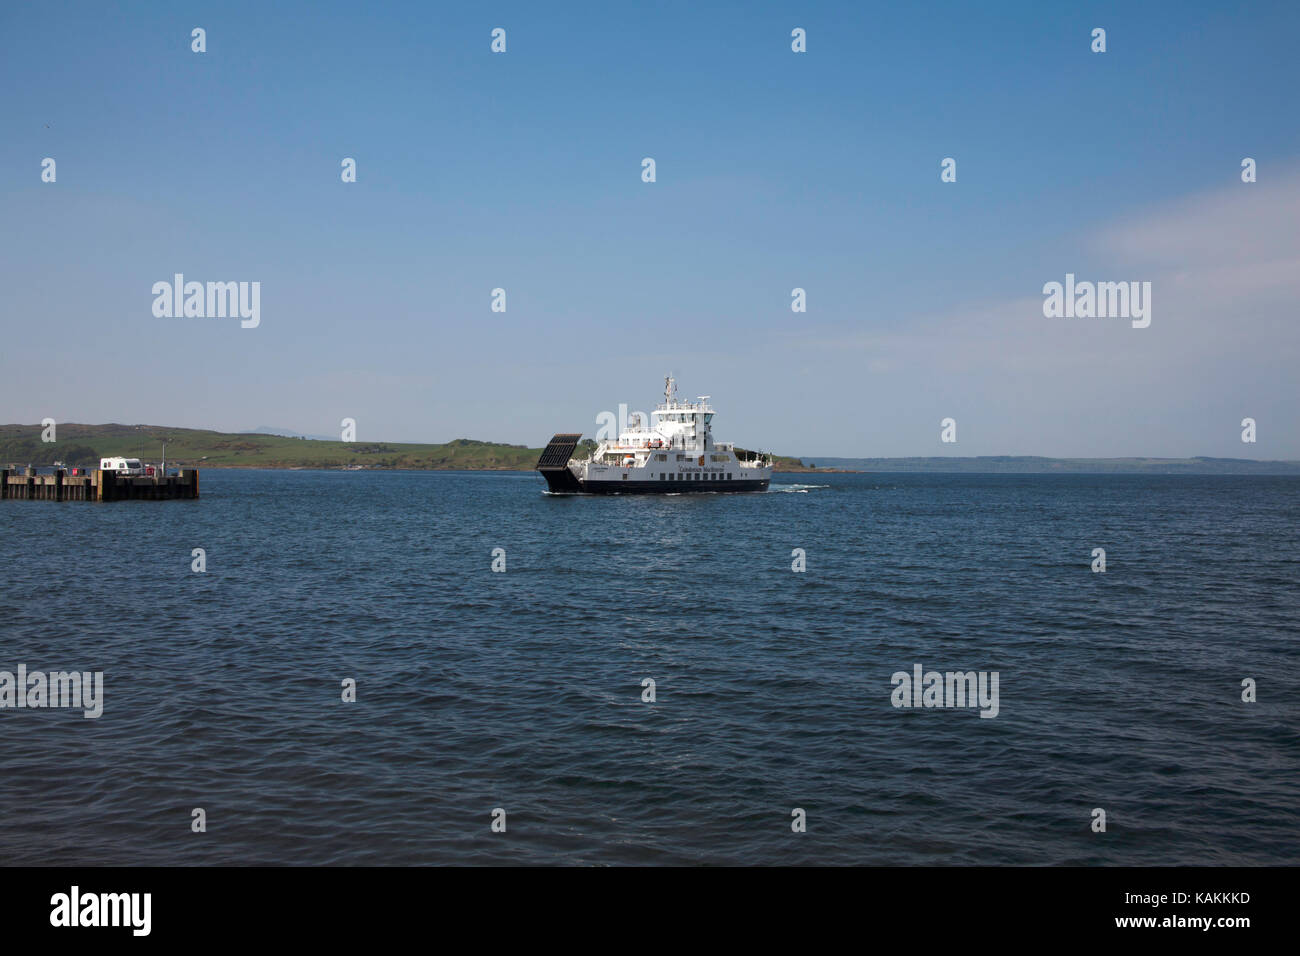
point(557, 483)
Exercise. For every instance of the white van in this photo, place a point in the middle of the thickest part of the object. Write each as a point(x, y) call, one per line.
point(123, 466)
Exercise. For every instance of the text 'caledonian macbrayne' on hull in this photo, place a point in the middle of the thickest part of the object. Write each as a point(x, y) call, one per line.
point(674, 454)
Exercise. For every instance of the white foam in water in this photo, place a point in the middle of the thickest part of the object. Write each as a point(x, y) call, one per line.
point(797, 489)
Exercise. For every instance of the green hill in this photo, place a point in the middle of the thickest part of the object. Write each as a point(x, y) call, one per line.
point(86, 444)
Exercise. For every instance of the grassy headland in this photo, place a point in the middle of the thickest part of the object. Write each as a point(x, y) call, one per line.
point(86, 444)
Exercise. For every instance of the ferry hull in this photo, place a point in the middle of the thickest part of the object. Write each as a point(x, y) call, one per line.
point(629, 487)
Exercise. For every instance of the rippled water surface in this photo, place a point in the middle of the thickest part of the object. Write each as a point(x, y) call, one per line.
point(522, 690)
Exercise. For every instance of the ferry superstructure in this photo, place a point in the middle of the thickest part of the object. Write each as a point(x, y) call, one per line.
point(674, 453)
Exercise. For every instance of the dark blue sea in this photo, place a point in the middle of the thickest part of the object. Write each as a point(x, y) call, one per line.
point(522, 690)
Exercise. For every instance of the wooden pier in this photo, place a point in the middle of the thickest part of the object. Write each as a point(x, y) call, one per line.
point(26, 485)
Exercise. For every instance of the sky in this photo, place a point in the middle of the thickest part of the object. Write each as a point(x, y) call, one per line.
point(775, 170)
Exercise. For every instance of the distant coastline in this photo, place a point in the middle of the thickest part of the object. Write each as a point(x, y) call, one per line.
point(1036, 465)
point(79, 444)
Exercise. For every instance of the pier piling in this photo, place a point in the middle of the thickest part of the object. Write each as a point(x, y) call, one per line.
point(24, 484)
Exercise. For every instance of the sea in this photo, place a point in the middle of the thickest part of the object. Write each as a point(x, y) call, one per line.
point(363, 668)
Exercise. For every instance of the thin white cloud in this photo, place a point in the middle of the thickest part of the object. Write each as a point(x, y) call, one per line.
point(1223, 342)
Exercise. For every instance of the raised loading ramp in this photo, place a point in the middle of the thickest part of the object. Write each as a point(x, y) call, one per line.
point(554, 463)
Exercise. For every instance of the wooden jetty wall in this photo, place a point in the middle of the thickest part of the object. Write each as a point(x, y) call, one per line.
point(26, 485)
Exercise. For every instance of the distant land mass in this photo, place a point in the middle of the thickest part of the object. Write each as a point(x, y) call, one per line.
point(1035, 465)
point(85, 444)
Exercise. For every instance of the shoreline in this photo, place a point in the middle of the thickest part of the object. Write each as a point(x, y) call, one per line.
point(83, 445)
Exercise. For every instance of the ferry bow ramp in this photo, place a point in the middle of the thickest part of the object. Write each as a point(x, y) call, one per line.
point(554, 463)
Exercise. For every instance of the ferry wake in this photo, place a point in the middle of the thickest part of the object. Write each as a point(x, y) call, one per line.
point(674, 454)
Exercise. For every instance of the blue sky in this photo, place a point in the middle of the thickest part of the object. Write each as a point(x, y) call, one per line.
point(774, 170)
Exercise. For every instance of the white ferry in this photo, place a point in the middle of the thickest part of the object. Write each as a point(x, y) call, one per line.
point(674, 454)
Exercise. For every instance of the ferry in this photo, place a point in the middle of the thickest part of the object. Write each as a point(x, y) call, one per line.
point(674, 453)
